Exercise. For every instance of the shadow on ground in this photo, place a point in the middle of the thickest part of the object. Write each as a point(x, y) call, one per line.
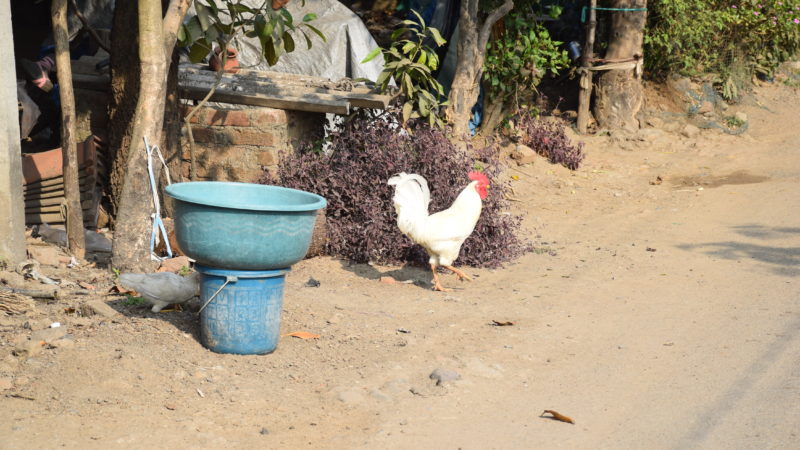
point(784, 260)
point(185, 320)
point(416, 275)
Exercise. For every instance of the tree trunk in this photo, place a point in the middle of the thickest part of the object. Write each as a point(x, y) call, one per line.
point(125, 78)
point(137, 102)
point(171, 143)
point(72, 191)
point(619, 92)
point(131, 251)
point(124, 92)
point(473, 37)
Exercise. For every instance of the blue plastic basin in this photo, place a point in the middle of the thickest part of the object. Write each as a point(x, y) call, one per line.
point(244, 316)
point(243, 226)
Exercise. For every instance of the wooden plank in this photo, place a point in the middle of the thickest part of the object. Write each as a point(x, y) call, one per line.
point(282, 79)
point(363, 98)
point(263, 82)
point(270, 89)
point(313, 103)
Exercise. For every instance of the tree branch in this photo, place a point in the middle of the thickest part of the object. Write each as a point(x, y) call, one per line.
point(173, 19)
point(497, 14)
point(74, 217)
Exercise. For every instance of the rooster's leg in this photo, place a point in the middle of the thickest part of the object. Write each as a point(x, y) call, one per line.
point(461, 275)
point(436, 285)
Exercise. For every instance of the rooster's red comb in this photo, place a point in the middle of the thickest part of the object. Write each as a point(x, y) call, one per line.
point(479, 176)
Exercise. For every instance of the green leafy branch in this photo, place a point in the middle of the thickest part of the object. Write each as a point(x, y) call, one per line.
point(411, 62)
point(518, 59)
point(273, 28)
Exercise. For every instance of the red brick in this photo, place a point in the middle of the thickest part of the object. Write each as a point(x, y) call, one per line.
point(185, 110)
point(268, 116)
point(249, 137)
point(266, 157)
point(203, 134)
point(244, 175)
point(234, 118)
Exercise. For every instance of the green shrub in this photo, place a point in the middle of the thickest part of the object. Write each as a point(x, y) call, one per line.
point(518, 59)
point(410, 62)
point(694, 37)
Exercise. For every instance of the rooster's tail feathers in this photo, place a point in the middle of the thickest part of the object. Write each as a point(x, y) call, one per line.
point(410, 189)
point(411, 199)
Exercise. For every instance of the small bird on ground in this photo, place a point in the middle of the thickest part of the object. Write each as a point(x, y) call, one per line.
point(162, 288)
point(442, 233)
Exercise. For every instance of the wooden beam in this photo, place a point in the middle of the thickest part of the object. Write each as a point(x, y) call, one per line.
point(271, 89)
point(282, 79)
point(323, 103)
point(359, 96)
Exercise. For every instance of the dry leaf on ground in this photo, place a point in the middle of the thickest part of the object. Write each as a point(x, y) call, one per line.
point(302, 335)
point(558, 416)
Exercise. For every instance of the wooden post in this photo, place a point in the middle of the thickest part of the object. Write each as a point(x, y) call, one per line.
point(12, 207)
point(585, 95)
point(74, 216)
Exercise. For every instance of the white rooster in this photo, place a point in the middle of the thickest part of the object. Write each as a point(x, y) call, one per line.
point(441, 234)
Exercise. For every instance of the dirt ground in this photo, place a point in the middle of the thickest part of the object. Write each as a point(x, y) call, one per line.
point(656, 314)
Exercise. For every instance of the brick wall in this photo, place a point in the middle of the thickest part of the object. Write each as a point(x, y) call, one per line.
point(234, 144)
point(230, 144)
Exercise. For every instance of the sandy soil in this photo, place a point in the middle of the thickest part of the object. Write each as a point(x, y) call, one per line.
point(655, 315)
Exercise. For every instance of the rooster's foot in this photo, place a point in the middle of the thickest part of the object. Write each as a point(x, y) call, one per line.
point(440, 288)
point(461, 275)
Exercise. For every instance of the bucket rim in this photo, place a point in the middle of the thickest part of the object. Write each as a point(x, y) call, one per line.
point(178, 192)
point(241, 273)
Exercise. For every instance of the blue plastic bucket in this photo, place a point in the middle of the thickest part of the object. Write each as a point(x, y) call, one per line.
point(243, 315)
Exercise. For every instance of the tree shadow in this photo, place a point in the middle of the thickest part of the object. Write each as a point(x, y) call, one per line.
point(418, 276)
point(783, 260)
point(187, 320)
point(762, 232)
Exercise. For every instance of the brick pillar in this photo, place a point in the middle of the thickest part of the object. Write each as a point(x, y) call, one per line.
point(12, 207)
point(234, 145)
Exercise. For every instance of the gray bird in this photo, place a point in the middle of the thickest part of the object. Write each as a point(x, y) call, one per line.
point(162, 288)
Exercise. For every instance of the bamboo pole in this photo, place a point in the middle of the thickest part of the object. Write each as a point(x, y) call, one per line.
point(585, 94)
point(75, 236)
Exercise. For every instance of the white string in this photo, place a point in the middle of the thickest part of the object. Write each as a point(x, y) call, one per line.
point(158, 224)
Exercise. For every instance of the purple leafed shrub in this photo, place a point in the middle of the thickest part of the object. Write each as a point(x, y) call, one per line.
point(364, 153)
point(549, 140)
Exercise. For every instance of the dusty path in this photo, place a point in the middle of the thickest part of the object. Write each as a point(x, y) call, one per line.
point(671, 319)
point(668, 317)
